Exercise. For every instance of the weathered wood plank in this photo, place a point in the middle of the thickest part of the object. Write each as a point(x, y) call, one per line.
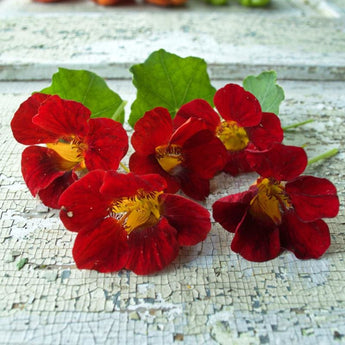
point(209, 295)
point(286, 7)
point(299, 41)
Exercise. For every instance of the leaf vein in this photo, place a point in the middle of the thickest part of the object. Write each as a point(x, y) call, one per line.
point(187, 89)
point(88, 88)
point(169, 79)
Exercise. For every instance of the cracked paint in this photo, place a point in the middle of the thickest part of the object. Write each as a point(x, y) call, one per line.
point(208, 295)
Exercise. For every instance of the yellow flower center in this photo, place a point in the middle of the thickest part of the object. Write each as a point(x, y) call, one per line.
point(269, 201)
point(169, 157)
point(233, 137)
point(142, 210)
point(72, 152)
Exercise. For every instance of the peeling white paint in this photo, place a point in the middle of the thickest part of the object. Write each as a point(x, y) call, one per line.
point(307, 268)
point(209, 295)
point(23, 226)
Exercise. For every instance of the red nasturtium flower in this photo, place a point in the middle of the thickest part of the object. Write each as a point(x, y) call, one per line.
point(241, 124)
point(75, 144)
point(282, 210)
point(127, 221)
point(187, 157)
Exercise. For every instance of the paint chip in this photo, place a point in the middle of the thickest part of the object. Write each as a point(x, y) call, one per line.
point(178, 337)
point(21, 263)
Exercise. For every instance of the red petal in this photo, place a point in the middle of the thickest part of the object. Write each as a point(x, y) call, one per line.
point(50, 196)
point(63, 118)
point(237, 163)
point(151, 183)
point(267, 133)
point(144, 164)
point(194, 186)
point(152, 130)
point(198, 108)
point(125, 185)
point(107, 144)
point(82, 204)
point(188, 129)
point(24, 131)
point(191, 220)
point(256, 241)
point(204, 154)
point(281, 162)
point(305, 240)
point(103, 249)
point(152, 249)
point(148, 164)
point(40, 167)
point(236, 104)
point(230, 210)
point(313, 198)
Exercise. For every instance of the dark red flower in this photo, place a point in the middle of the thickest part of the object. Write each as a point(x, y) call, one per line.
point(127, 221)
point(281, 210)
point(187, 157)
point(74, 144)
point(240, 126)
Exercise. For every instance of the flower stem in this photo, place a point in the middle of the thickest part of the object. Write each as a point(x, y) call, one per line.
point(124, 168)
point(295, 125)
point(325, 155)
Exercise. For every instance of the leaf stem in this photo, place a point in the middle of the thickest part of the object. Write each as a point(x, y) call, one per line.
point(295, 125)
point(124, 168)
point(118, 111)
point(325, 155)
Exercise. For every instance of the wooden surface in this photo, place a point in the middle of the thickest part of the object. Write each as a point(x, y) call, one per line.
point(299, 41)
point(209, 295)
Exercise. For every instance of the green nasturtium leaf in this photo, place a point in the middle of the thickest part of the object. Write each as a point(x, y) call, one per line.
point(89, 89)
point(169, 81)
point(265, 89)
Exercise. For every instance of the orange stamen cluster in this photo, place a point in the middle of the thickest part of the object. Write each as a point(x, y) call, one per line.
point(72, 151)
point(233, 137)
point(270, 201)
point(141, 210)
point(169, 157)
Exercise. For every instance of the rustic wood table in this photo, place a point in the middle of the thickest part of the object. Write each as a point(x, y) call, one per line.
point(209, 295)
